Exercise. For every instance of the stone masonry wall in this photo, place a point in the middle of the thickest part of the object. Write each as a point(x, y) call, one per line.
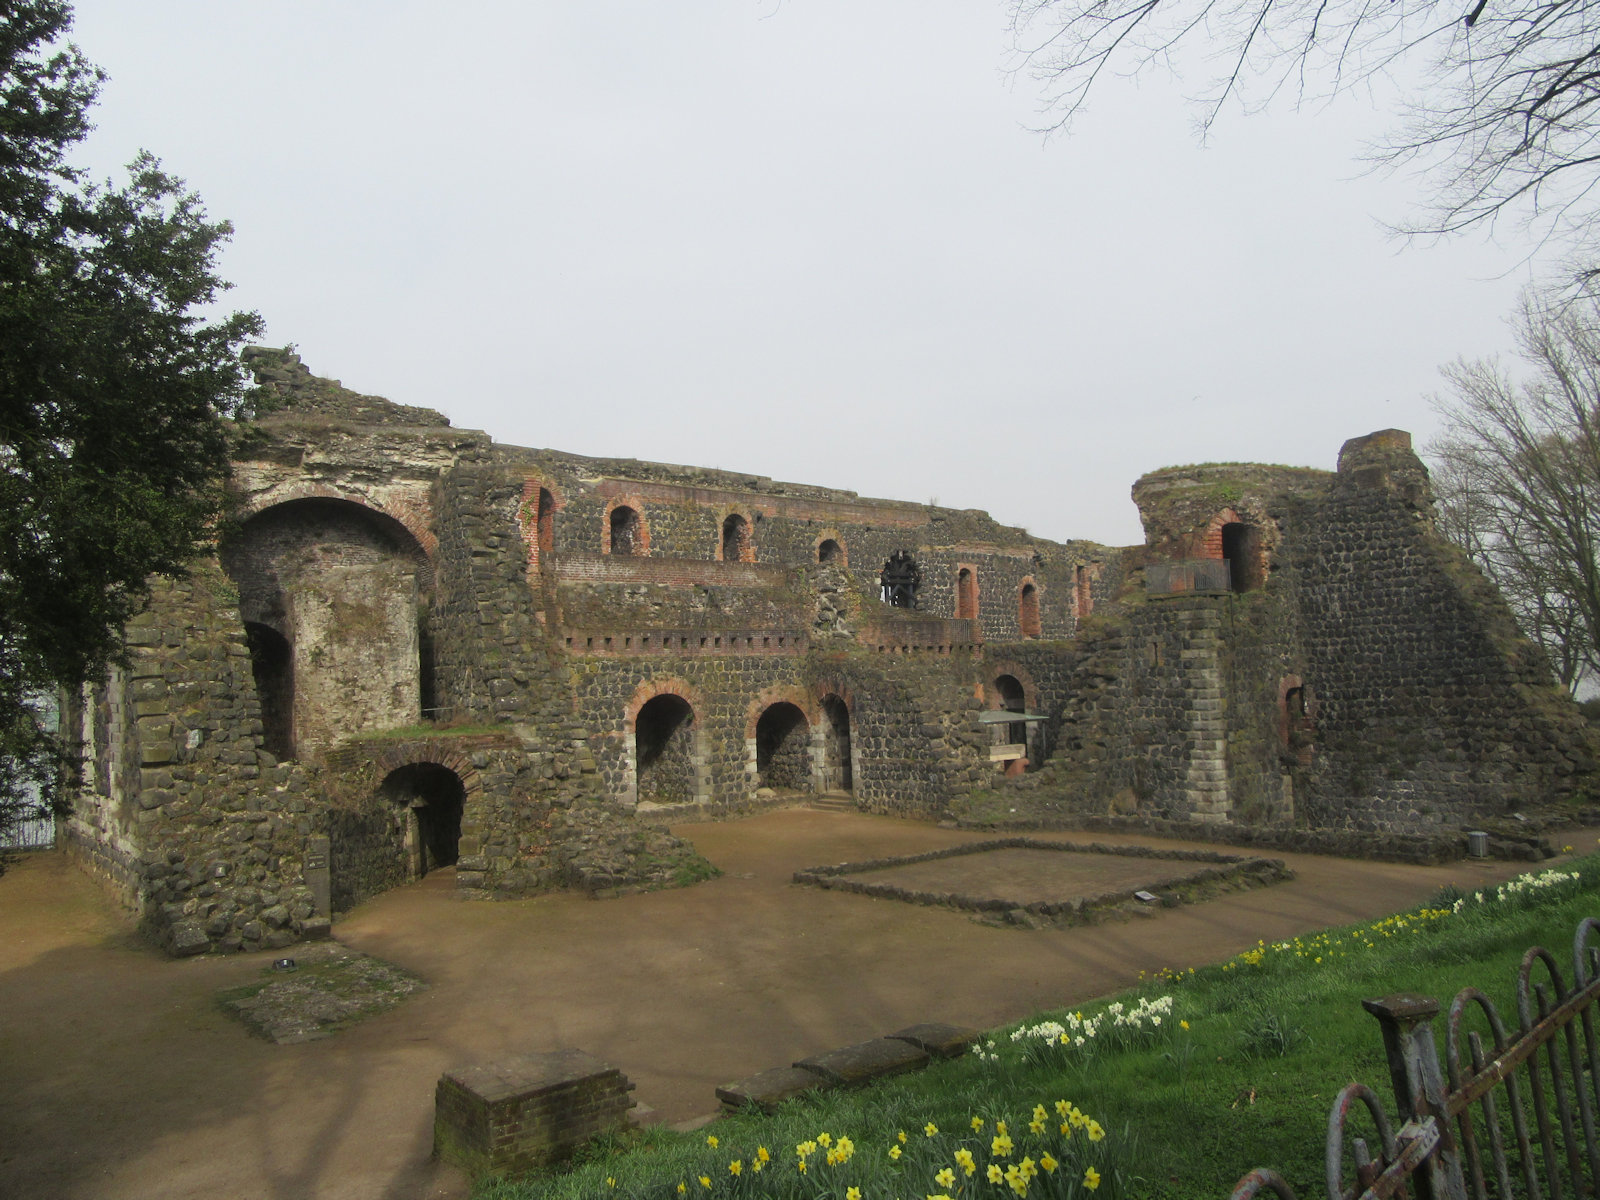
point(214, 855)
point(1430, 708)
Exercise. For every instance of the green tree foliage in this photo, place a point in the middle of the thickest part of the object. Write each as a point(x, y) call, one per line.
point(1517, 477)
point(1500, 114)
point(114, 390)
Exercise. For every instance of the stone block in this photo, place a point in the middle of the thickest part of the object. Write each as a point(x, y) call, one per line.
point(770, 1088)
point(937, 1039)
point(851, 1066)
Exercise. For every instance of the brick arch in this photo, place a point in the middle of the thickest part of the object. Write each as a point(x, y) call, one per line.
point(999, 667)
point(830, 535)
point(780, 695)
point(824, 688)
point(1029, 609)
point(528, 518)
point(747, 542)
point(412, 518)
point(642, 545)
point(433, 752)
point(667, 686)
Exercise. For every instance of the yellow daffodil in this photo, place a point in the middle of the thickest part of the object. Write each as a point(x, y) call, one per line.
point(824, 1140)
point(757, 1166)
point(945, 1177)
point(1091, 1179)
point(712, 1141)
point(1038, 1112)
point(1063, 1108)
point(894, 1153)
point(762, 1155)
point(966, 1162)
point(1001, 1146)
point(1095, 1132)
point(802, 1165)
point(977, 1124)
point(996, 1175)
point(610, 1182)
point(1027, 1168)
point(902, 1136)
point(736, 1167)
point(705, 1182)
point(930, 1129)
point(1048, 1163)
point(852, 1193)
point(1000, 1128)
point(1035, 1126)
point(844, 1149)
point(682, 1187)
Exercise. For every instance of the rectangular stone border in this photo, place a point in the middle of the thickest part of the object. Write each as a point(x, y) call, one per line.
point(1226, 872)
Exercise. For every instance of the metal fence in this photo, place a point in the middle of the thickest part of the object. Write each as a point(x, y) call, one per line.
point(1514, 1120)
point(37, 833)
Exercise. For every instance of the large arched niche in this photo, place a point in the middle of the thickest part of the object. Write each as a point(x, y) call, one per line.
point(335, 596)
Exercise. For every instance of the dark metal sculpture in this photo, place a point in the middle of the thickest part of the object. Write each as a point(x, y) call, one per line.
point(900, 580)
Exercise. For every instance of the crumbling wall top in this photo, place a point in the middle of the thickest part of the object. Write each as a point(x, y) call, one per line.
point(287, 386)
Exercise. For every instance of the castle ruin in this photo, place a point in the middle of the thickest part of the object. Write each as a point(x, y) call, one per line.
point(419, 648)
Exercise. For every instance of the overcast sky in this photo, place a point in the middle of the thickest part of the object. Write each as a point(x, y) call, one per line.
point(813, 240)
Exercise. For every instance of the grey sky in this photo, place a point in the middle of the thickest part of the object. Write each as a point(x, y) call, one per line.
point(813, 240)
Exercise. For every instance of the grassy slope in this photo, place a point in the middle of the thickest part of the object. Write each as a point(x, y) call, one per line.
point(1248, 1084)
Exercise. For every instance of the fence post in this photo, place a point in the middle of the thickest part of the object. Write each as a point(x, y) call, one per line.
point(1419, 1090)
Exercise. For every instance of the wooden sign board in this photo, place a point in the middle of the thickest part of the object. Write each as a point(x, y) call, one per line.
point(1004, 753)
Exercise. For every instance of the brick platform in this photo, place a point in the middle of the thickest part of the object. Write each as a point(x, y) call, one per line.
point(526, 1112)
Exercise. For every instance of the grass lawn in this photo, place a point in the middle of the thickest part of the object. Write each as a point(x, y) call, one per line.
point(1176, 1089)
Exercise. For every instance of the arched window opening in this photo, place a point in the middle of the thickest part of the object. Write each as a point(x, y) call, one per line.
point(1028, 611)
point(783, 748)
point(966, 594)
point(624, 531)
point(433, 798)
point(1010, 697)
point(1241, 547)
point(272, 665)
point(546, 519)
point(664, 747)
point(736, 539)
point(836, 772)
point(900, 579)
point(829, 551)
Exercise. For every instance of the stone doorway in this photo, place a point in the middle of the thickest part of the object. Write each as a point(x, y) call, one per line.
point(429, 800)
point(783, 740)
point(666, 751)
point(837, 773)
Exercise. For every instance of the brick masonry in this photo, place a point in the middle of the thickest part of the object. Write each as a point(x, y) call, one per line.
point(526, 1112)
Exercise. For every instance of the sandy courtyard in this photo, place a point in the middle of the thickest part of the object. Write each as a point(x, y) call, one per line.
point(123, 1080)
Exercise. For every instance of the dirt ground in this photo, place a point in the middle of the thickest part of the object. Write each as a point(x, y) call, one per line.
point(121, 1079)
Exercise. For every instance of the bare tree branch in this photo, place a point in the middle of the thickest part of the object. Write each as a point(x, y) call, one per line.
point(1505, 122)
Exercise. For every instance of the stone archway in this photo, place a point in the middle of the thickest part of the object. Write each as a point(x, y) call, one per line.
point(335, 599)
point(783, 748)
point(668, 759)
point(430, 801)
point(837, 768)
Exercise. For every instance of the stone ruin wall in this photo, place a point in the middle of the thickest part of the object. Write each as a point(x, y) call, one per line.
point(1422, 705)
point(479, 586)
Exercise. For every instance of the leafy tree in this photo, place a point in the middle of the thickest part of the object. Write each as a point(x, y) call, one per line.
point(113, 390)
point(1503, 118)
point(1518, 478)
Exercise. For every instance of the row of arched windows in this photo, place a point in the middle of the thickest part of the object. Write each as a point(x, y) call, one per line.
point(1028, 623)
